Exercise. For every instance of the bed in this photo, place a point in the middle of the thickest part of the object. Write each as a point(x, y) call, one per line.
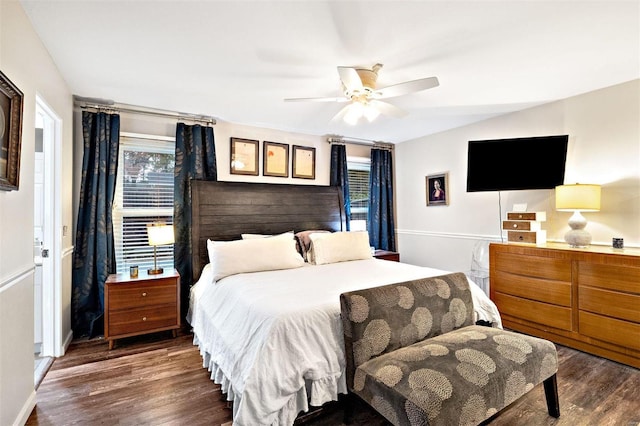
point(273, 338)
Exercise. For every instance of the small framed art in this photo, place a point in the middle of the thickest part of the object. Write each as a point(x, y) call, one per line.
point(11, 103)
point(275, 159)
point(304, 162)
point(244, 156)
point(437, 187)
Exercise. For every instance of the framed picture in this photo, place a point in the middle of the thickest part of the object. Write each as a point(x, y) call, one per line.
point(275, 159)
point(11, 102)
point(304, 162)
point(244, 156)
point(438, 189)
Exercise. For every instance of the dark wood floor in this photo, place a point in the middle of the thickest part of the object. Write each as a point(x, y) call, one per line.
point(156, 380)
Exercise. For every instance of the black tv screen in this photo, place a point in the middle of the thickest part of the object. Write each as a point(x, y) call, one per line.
point(518, 163)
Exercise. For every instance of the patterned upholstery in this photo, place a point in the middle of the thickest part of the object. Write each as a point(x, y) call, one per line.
point(414, 355)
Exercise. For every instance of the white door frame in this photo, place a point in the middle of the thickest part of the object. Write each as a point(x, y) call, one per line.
point(52, 344)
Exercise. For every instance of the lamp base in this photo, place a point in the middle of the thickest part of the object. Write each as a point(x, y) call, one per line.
point(155, 271)
point(577, 237)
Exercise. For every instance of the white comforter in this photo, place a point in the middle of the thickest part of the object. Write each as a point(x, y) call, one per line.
point(273, 339)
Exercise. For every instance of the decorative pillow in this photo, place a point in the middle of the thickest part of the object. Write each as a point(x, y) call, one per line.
point(340, 247)
point(303, 242)
point(253, 255)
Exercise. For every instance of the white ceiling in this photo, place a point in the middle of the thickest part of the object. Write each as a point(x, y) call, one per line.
point(238, 60)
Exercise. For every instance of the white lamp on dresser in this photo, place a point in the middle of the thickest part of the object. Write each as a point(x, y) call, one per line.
point(578, 198)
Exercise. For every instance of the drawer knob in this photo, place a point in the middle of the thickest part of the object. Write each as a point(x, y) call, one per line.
point(515, 225)
point(144, 318)
point(144, 294)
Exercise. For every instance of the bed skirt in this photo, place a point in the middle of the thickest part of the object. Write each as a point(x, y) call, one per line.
point(314, 393)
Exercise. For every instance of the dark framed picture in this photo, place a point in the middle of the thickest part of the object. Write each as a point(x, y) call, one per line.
point(304, 162)
point(244, 156)
point(11, 103)
point(438, 189)
point(275, 159)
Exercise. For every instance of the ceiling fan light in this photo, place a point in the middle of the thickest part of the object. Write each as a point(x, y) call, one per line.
point(370, 113)
point(354, 113)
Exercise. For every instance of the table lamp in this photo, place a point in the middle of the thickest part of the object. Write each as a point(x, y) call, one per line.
point(578, 198)
point(159, 234)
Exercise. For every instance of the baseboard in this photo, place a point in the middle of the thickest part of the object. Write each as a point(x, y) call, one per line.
point(66, 343)
point(26, 410)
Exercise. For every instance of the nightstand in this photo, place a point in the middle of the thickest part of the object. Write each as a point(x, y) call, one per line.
point(146, 304)
point(394, 256)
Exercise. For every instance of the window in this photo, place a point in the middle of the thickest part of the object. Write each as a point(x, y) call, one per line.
point(358, 170)
point(144, 195)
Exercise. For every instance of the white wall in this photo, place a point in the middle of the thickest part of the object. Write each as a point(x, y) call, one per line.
point(604, 148)
point(24, 60)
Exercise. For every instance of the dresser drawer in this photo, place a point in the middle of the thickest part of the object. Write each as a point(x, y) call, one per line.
point(529, 237)
point(139, 295)
point(611, 277)
point(520, 225)
point(538, 289)
point(536, 312)
point(534, 266)
point(140, 320)
point(610, 303)
point(623, 333)
point(539, 216)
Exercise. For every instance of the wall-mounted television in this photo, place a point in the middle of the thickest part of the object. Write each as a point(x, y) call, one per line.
point(518, 163)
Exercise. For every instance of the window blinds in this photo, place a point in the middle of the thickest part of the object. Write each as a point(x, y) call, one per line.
point(144, 195)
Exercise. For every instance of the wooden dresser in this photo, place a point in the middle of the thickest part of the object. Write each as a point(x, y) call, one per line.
point(141, 305)
point(587, 299)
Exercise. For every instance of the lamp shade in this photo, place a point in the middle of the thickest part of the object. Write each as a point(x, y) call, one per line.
point(160, 234)
point(577, 196)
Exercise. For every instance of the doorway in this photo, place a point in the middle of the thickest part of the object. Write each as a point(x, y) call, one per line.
point(46, 241)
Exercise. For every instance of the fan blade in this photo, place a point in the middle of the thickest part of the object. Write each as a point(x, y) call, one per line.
point(407, 87)
point(338, 99)
point(350, 79)
point(388, 109)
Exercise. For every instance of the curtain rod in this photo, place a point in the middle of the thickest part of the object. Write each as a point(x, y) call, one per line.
point(358, 141)
point(108, 105)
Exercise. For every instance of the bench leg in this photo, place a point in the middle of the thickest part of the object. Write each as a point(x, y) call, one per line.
point(348, 405)
point(551, 394)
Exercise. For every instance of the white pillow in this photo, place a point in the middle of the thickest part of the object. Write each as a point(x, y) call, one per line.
point(253, 255)
point(254, 236)
point(340, 247)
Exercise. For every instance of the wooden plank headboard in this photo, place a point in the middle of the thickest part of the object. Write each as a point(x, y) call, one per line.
point(224, 210)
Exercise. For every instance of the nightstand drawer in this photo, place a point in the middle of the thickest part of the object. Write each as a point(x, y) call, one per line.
point(141, 295)
point(139, 320)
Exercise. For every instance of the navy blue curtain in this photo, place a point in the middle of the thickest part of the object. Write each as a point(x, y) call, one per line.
point(94, 255)
point(195, 159)
point(381, 225)
point(339, 176)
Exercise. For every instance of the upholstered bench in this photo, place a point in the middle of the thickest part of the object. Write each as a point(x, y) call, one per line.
point(414, 355)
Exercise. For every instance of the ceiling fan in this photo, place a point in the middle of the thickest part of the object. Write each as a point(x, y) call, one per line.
point(359, 87)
